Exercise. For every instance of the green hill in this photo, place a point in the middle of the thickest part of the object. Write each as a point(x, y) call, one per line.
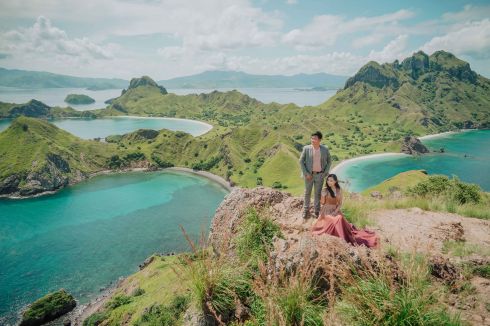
point(40, 79)
point(423, 94)
point(38, 156)
point(400, 182)
point(38, 109)
point(253, 143)
point(378, 107)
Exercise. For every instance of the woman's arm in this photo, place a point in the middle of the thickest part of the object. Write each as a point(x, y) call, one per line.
point(323, 199)
point(339, 202)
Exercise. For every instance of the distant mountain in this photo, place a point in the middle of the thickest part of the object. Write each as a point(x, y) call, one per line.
point(41, 79)
point(227, 79)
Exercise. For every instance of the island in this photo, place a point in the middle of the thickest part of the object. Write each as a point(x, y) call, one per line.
point(79, 99)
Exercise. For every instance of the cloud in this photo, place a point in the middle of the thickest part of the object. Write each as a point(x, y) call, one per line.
point(395, 49)
point(325, 30)
point(45, 39)
point(292, 2)
point(471, 38)
point(207, 25)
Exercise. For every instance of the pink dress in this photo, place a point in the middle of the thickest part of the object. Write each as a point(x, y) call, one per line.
point(335, 224)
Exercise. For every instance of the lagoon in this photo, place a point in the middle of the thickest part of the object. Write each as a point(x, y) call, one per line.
point(466, 155)
point(102, 127)
point(87, 235)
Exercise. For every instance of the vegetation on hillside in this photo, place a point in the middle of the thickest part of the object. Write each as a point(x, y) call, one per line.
point(78, 99)
point(259, 144)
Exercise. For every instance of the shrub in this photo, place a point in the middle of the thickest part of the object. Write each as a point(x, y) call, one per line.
point(216, 283)
point(161, 163)
point(165, 315)
point(376, 300)
point(277, 185)
point(433, 185)
point(463, 193)
point(453, 190)
point(254, 238)
point(95, 319)
point(117, 301)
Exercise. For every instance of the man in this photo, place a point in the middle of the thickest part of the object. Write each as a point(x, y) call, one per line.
point(315, 164)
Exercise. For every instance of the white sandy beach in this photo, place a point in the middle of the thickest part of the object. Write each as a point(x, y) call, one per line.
point(343, 164)
point(209, 175)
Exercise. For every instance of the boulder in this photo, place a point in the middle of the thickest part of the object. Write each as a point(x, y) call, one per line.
point(412, 145)
point(48, 308)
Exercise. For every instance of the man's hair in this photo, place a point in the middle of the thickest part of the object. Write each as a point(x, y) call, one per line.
point(318, 134)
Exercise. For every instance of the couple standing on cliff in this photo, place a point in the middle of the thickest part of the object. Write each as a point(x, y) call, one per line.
point(315, 162)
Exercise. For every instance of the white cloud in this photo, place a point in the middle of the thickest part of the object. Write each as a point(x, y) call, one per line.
point(469, 13)
point(46, 39)
point(395, 49)
point(471, 38)
point(325, 30)
point(208, 25)
point(291, 2)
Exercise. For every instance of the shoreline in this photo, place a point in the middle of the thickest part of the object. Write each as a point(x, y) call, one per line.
point(208, 175)
point(343, 163)
point(216, 178)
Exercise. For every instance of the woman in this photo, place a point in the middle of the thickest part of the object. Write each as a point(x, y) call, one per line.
point(331, 221)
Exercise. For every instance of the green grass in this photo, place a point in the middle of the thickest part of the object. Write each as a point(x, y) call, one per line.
point(400, 182)
point(376, 300)
point(160, 284)
point(462, 249)
point(25, 145)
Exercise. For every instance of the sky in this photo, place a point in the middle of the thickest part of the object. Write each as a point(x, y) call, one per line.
point(171, 38)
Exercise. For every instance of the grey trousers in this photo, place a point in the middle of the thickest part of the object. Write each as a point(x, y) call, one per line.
point(317, 182)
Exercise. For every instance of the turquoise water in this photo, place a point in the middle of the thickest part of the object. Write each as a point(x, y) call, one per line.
point(87, 235)
point(92, 128)
point(474, 168)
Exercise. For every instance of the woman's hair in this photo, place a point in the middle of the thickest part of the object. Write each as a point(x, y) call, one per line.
point(337, 186)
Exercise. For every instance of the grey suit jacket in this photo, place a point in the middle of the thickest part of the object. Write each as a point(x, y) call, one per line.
point(306, 160)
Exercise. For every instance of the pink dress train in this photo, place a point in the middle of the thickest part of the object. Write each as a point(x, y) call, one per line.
point(337, 225)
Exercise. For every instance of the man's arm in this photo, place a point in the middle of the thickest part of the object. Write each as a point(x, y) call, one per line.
point(329, 163)
point(302, 162)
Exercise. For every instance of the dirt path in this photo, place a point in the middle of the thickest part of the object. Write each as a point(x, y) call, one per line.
point(422, 231)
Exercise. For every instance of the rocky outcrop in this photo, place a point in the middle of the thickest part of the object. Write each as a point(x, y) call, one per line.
point(48, 308)
point(413, 146)
point(375, 75)
point(419, 64)
point(52, 175)
point(297, 247)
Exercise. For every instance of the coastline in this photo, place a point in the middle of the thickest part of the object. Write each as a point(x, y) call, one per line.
point(345, 163)
point(216, 178)
point(213, 177)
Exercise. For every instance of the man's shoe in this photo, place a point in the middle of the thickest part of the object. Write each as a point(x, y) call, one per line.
point(305, 215)
point(317, 215)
